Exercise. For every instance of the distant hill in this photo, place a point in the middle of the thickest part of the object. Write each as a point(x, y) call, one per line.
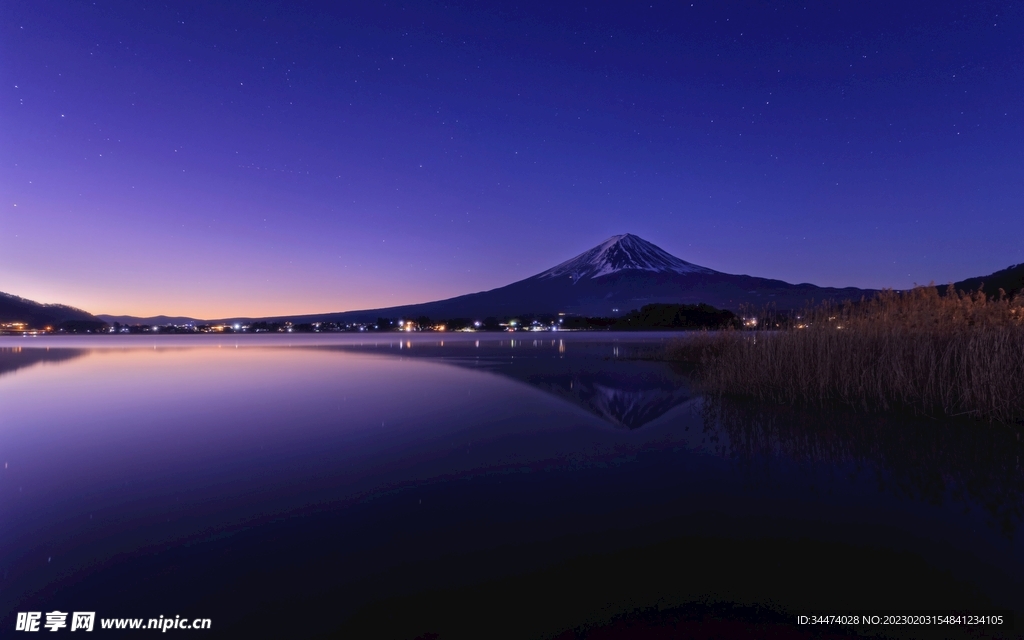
point(152, 320)
point(1010, 280)
point(620, 274)
point(38, 316)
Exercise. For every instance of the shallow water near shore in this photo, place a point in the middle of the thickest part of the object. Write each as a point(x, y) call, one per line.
point(301, 484)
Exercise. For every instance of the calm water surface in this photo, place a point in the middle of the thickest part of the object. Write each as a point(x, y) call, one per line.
point(273, 483)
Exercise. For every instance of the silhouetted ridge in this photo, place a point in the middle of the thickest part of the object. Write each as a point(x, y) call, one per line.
point(1010, 280)
point(37, 315)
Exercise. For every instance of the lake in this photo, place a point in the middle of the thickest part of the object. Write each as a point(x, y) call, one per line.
point(472, 485)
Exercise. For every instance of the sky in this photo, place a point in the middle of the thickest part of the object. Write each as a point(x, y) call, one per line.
point(247, 158)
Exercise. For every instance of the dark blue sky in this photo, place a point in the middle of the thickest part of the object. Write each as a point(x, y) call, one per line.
point(216, 159)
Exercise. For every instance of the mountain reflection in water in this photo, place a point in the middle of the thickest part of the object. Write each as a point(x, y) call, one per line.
point(630, 398)
point(14, 358)
point(605, 378)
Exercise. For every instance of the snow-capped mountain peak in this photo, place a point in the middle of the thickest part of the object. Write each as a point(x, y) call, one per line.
point(621, 253)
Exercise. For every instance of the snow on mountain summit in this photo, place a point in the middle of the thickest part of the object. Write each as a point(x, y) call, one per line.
point(621, 253)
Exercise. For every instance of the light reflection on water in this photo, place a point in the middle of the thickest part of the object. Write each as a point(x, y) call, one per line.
point(135, 451)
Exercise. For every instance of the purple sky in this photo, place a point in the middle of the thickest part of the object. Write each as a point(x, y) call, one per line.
point(243, 158)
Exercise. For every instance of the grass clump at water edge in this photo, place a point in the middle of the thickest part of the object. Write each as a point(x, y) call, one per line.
point(959, 354)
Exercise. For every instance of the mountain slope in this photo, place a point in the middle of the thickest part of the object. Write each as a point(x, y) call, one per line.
point(151, 320)
point(38, 316)
point(622, 273)
point(1010, 280)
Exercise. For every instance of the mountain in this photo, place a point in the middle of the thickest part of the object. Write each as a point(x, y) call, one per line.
point(1010, 280)
point(38, 316)
point(151, 320)
point(622, 273)
point(621, 253)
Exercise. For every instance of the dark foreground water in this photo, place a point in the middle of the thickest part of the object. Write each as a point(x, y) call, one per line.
point(549, 485)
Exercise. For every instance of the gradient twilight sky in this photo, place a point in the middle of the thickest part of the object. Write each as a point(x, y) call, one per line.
point(249, 158)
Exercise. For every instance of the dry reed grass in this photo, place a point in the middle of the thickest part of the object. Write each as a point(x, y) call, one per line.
point(961, 354)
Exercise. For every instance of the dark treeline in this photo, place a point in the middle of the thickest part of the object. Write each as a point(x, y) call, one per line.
point(82, 326)
point(651, 316)
point(662, 316)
